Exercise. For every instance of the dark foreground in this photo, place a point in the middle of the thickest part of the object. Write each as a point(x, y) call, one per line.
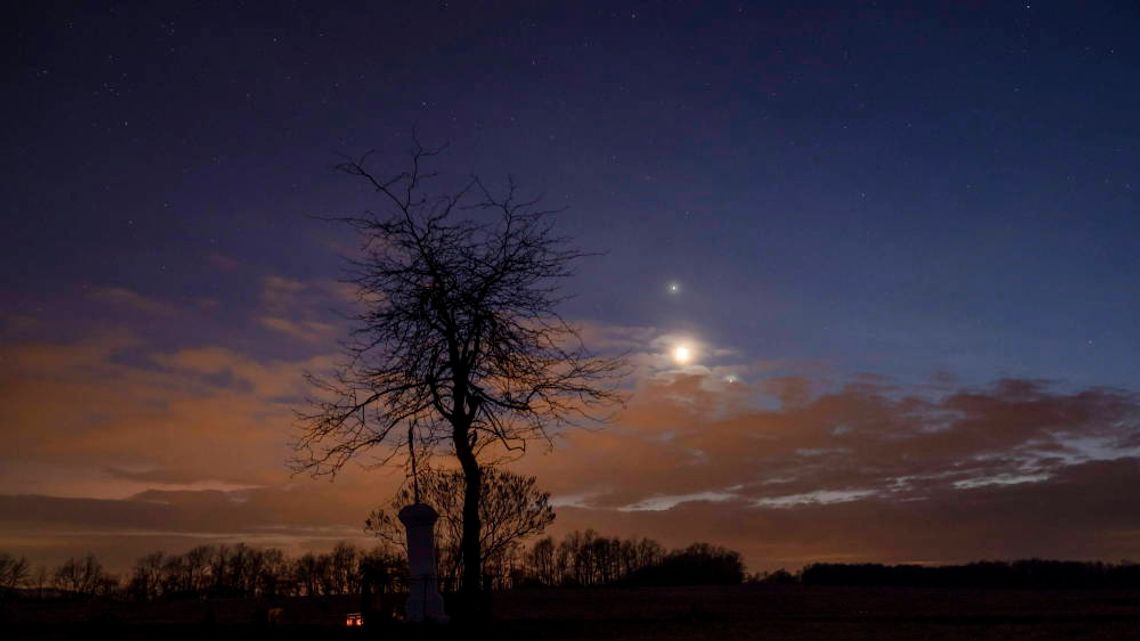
point(742, 612)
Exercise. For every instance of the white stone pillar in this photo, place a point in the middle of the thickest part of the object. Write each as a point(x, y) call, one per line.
point(424, 601)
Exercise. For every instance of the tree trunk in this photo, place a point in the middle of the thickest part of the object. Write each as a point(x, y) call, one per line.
point(472, 557)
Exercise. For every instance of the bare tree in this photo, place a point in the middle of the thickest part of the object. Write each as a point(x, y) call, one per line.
point(84, 577)
point(458, 345)
point(344, 562)
point(511, 509)
point(14, 572)
point(146, 577)
point(540, 561)
point(40, 580)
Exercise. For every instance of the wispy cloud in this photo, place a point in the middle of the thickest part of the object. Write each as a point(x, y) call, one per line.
point(129, 299)
point(302, 310)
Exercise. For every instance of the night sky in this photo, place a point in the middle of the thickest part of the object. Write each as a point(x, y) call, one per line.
point(899, 242)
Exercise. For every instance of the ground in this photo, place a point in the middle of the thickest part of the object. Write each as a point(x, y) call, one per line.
point(790, 613)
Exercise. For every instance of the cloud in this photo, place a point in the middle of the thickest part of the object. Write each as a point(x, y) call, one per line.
point(49, 529)
point(110, 436)
point(210, 411)
point(304, 310)
point(280, 294)
point(843, 457)
point(615, 338)
point(310, 331)
point(221, 262)
point(113, 445)
point(18, 324)
point(126, 298)
point(1082, 513)
point(659, 503)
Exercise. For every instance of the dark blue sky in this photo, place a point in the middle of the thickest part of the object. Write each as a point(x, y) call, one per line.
point(894, 189)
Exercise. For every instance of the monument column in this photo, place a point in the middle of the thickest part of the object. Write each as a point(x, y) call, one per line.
point(424, 600)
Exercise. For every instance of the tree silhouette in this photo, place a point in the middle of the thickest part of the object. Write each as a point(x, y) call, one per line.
point(146, 577)
point(511, 508)
point(458, 345)
point(13, 572)
point(84, 577)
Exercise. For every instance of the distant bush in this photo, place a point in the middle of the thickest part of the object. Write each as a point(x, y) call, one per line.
point(698, 564)
point(777, 577)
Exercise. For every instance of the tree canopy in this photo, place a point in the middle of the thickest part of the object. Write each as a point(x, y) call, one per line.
point(511, 508)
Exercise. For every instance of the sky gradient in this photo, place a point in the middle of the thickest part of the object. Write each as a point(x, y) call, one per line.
point(904, 239)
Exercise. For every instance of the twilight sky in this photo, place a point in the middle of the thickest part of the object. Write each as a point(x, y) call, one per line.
point(903, 239)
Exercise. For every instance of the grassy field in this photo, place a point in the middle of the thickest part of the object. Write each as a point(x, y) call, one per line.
point(742, 612)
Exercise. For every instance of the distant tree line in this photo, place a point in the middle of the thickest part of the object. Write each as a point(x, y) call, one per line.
point(584, 559)
point(214, 571)
point(581, 559)
point(245, 571)
point(1024, 574)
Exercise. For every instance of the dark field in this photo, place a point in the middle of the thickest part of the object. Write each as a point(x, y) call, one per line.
point(741, 612)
